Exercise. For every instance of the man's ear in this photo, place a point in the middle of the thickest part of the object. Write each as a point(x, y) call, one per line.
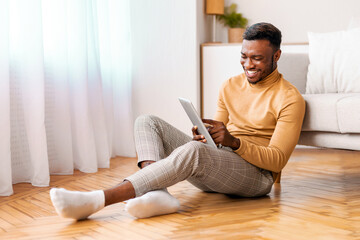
point(277, 55)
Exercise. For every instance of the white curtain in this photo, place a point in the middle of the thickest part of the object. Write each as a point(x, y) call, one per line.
point(65, 88)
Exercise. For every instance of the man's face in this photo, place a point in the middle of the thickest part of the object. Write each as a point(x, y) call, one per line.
point(258, 59)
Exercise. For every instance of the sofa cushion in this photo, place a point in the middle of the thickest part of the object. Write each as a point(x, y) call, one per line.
point(322, 112)
point(334, 61)
point(324, 48)
point(348, 112)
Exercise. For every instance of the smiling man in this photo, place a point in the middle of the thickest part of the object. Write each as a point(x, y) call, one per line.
point(260, 109)
point(256, 126)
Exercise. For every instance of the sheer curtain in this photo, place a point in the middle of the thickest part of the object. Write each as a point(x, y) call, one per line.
point(65, 88)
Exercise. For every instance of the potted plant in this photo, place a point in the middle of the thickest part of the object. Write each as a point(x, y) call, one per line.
point(236, 23)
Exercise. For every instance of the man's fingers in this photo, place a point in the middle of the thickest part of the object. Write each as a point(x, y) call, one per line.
point(209, 121)
point(198, 137)
point(216, 133)
point(216, 137)
point(194, 130)
point(212, 122)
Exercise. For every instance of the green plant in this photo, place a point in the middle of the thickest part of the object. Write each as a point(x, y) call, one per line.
point(231, 18)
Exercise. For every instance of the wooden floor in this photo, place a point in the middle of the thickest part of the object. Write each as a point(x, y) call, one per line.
point(318, 198)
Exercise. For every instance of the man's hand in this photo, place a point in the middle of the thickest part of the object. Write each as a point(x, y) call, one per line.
point(221, 135)
point(218, 132)
point(196, 136)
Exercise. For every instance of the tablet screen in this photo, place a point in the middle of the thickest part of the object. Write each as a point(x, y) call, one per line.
point(196, 120)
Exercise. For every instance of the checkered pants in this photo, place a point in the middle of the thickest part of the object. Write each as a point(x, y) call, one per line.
point(179, 158)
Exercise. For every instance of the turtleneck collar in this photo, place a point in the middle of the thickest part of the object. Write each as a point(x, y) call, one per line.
point(268, 80)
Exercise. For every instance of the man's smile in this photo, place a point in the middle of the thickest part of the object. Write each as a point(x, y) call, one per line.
point(251, 73)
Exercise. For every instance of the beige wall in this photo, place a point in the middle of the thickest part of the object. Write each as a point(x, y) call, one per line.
point(166, 57)
point(295, 18)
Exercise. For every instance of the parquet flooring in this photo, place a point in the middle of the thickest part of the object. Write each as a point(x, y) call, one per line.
point(318, 198)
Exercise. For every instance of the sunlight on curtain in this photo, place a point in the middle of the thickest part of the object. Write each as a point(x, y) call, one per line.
point(65, 88)
point(5, 156)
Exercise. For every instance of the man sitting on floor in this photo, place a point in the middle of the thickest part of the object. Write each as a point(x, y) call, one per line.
point(258, 121)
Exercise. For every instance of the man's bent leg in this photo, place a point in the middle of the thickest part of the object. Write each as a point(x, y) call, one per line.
point(157, 202)
point(178, 166)
point(218, 170)
point(226, 172)
point(153, 203)
point(155, 139)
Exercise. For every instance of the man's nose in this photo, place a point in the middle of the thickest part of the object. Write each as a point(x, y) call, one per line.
point(248, 64)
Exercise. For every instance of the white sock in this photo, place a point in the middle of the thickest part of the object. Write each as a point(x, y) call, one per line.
point(77, 205)
point(153, 203)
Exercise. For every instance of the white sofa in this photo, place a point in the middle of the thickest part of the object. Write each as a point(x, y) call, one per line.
point(332, 120)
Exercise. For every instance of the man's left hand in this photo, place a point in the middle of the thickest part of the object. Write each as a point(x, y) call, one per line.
point(221, 135)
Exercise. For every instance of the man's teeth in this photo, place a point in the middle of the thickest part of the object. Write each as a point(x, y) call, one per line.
point(251, 73)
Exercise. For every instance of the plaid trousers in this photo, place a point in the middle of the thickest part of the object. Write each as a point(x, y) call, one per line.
point(179, 158)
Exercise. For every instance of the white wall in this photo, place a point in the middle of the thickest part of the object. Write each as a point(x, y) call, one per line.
point(165, 62)
point(297, 17)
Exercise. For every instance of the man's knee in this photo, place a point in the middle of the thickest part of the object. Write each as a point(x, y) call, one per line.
point(194, 145)
point(145, 119)
point(196, 150)
point(197, 158)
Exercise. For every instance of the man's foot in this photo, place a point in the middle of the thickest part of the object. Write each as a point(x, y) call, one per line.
point(77, 205)
point(153, 203)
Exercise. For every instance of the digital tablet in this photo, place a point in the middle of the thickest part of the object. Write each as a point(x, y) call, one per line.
point(196, 120)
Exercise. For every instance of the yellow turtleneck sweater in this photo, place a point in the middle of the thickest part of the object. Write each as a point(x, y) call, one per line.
point(266, 117)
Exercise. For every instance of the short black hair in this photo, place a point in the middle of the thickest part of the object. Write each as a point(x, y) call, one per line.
point(264, 31)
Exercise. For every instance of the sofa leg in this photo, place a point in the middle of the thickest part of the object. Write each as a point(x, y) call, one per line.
point(278, 178)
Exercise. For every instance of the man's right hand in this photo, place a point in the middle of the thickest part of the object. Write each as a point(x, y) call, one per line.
point(196, 136)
